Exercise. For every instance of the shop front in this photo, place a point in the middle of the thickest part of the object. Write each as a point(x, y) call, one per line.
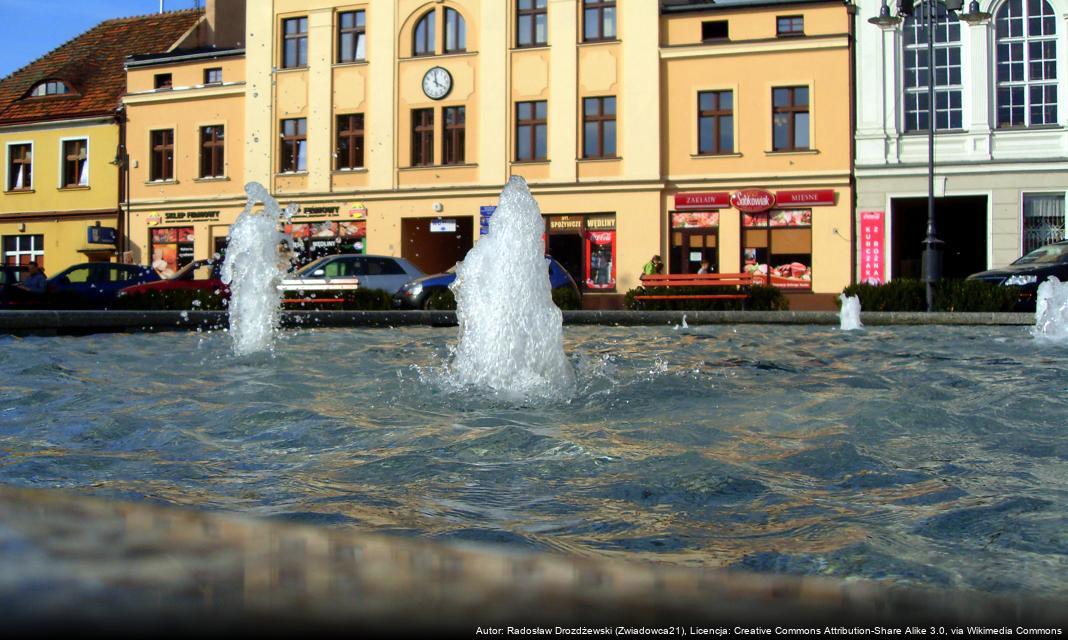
point(774, 235)
point(319, 231)
point(585, 245)
point(176, 238)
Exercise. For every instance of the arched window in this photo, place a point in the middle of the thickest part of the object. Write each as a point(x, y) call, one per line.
point(455, 32)
point(50, 88)
point(423, 36)
point(1027, 63)
point(949, 111)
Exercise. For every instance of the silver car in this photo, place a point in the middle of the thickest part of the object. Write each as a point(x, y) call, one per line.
point(347, 272)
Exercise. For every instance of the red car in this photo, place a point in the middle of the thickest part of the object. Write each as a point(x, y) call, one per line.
point(197, 275)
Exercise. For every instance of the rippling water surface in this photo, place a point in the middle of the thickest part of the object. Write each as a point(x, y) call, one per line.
point(928, 456)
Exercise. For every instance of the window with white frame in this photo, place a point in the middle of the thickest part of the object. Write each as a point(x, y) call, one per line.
point(949, 110)
point(75, 163)
point(1027, 63)
point(1043, 220)
point(23, 249)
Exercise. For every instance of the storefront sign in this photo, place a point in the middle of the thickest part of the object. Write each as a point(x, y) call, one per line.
point(318, 212)
point(190, 216)
point(872, 246)
point(447, 225)
point(695, 220)
point(484, 215)
point(600, 223)
point(693, 201)
point(565, 223)
point(101, 235)
point(752, 200)
point(809, 197)
point(358, 210)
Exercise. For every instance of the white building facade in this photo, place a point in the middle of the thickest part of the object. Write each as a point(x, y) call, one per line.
point(1001, 146)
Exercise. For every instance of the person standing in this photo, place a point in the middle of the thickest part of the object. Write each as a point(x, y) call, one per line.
point(706, 267)
point(36, 281)
point(655, 265)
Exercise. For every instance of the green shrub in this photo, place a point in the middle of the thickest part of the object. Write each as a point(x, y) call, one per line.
point(564, 297)
point(441, 300)
point(900, 294)
point(171, 300)
point(356, 300)
point(567, 298)
point(904, 294)
point(760, 299)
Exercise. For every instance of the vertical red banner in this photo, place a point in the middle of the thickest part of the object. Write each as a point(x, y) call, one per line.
point(872, 246)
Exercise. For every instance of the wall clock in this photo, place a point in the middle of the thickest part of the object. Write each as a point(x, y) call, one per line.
point(437, 82)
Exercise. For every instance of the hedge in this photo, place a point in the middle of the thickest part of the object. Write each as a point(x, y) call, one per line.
point(761, 298)
point(904, 294)
point(182, 300)
point(563, 297)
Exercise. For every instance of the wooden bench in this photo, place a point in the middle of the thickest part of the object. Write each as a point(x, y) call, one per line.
point(313, 300)
point(741, 281)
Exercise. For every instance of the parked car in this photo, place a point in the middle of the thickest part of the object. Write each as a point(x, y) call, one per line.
point(10, 294)
point(195, 276)
point(94, 285)
point(1029, 271)
point(417, 293)
point(346, 272)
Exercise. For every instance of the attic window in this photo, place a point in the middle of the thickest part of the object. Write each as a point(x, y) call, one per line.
point(50, 88)
point(714, 30)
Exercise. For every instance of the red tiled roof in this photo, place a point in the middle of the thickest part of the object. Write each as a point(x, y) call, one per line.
point(92, 64)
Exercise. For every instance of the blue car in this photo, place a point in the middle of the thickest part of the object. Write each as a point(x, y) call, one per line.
point(94, 285)
point(417, 293)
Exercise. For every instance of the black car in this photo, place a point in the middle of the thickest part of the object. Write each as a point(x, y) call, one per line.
point(1030, 271)
point(417, 293)
point(11, 295)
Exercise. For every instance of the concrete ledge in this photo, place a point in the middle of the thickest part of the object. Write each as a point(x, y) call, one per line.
point(75, 563)
point(85, 322)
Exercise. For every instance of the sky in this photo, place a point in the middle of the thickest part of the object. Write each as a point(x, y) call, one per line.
point(32, 28)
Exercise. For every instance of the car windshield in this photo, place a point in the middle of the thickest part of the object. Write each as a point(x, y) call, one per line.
point(1049, 254)
point(308, 268)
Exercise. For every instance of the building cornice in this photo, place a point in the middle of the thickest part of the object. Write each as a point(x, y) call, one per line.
point(770, 45)
point(199, 92)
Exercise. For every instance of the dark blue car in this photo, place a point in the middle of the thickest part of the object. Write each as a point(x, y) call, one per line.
point(94, 285)
point(416, 294)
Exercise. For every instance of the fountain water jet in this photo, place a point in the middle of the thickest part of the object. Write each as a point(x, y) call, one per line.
point(849, 316)
point(1051, 312)
point(511, 332)
point(253, 268)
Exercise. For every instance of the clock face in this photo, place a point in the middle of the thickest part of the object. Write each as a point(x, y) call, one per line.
point(437, 83)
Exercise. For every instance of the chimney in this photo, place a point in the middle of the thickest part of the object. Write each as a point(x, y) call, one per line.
point(225, 24)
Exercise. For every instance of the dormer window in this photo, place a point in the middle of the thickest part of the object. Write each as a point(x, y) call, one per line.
point(50, 88)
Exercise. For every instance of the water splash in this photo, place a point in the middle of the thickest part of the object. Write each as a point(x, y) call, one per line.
point(1051, 312)
point(253, 267)
point(849, 316)
point(511, 333)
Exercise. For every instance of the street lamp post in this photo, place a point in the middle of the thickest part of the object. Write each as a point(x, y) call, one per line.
point(932, 246)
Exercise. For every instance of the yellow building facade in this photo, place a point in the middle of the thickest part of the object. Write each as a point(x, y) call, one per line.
point(394, 124)
point(46, 210)
point(186, 140)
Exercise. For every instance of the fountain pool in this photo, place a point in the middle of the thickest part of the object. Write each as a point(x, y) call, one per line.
point(932, 456)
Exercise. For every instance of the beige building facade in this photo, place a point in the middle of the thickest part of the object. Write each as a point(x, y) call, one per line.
point(394, 124)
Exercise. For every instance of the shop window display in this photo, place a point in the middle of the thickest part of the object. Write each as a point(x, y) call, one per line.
point(694, 240)
point(778, 244)
point(586, 247)
point(171, 249)
point(313, 240)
